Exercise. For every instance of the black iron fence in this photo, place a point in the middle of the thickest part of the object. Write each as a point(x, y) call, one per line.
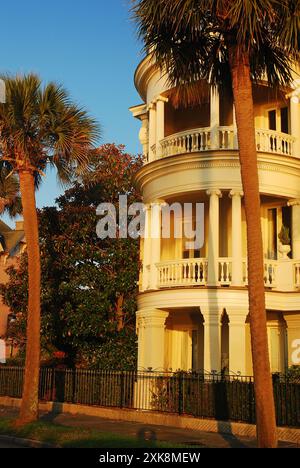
point(226, 398)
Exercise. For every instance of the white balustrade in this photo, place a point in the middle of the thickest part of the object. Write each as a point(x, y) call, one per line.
point(186, 142)
point(297, 274)
point(245, 272)
point(270, 141)
point(199, 139)
point(153, 150)
point(182, 272)
point(270, 270)
point(193, 272)
point(225, 271)
point(226, 137)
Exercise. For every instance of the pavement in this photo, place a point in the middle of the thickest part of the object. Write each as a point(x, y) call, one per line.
point(148, 432)
point(9, 445)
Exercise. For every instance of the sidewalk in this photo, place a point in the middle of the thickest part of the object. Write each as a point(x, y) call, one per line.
point(147, 432)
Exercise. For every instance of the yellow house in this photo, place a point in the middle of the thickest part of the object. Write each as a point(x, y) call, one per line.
point(193, 303)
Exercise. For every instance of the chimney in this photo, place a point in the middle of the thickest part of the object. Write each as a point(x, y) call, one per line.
point(20, 225)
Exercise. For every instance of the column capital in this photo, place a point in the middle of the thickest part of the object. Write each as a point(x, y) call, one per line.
point(144, 117)
point(236, 193)
point(147, 207)
point(140, 321)
point(161, 99)
point(155, 318)
point(158, 203)
point(212, 318)
point(212, 192)
point(292, 321)
point(294, 202)
point(151, 106)
point(237, 319)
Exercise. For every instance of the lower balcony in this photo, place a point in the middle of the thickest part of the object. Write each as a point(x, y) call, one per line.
point(282, 275)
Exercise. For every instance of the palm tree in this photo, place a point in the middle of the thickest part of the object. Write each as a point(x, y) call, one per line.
point(10, 200)
point(40, 126)
point(232, 43)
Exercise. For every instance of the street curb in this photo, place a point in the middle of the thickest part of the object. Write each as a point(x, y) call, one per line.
point(285, 434)
point(26, 442)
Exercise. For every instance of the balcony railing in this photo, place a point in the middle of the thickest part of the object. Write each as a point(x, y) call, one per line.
point(270, 273)
point(194, 272)
point(200, 139)
point(182, 273)
point(187, 142)
point(297, 274)
point(225, 271)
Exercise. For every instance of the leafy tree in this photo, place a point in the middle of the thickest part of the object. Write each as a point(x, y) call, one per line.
point(40, 126)
point(232, 43)
point(88, 285)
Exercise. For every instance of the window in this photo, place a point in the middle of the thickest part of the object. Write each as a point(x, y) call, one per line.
point(284, 117)
point(272, 233)
point(272, 119)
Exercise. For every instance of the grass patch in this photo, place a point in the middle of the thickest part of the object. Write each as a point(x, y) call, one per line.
point(75, 437)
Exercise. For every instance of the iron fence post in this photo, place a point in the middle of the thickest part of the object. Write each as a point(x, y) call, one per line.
point(52, 396)
point(180, 393)
point(121, 389)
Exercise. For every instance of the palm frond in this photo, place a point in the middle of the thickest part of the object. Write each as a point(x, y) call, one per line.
point(41, 125)
point(190, 39)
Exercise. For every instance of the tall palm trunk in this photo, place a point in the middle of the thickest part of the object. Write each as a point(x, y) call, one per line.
point(243, 99)
point(29, 406)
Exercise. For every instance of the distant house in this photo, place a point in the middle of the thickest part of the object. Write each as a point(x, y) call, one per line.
point(12, 245)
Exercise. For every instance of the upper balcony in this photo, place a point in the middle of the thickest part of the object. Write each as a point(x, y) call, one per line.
point(211, 126)
point(201, 139)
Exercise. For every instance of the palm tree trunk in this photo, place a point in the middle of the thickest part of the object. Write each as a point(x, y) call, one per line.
point(29, 405)
point(243, 100)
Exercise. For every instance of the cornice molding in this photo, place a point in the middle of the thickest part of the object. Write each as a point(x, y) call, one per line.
point(214, 159)
point(233, 300)
point(144, 72)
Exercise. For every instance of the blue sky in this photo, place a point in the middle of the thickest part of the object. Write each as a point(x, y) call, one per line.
point(90, 47)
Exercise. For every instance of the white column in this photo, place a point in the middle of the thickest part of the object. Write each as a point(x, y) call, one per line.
point(152, 130)
point(237, 343)
point(295, 204)
point(147, 249)
point(160, 124)
point(144, 135)
point(214, 118)
point(213, 237)
point(293, 338)
point(156, 208)
point(235, 136)
point(212, 341)
point(154, 339)
point(236, 234)
point(295, 123)
point(140, 330)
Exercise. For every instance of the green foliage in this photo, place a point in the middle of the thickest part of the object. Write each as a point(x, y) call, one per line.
point(284, 235)
point(293, 374)
point(82, 276)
